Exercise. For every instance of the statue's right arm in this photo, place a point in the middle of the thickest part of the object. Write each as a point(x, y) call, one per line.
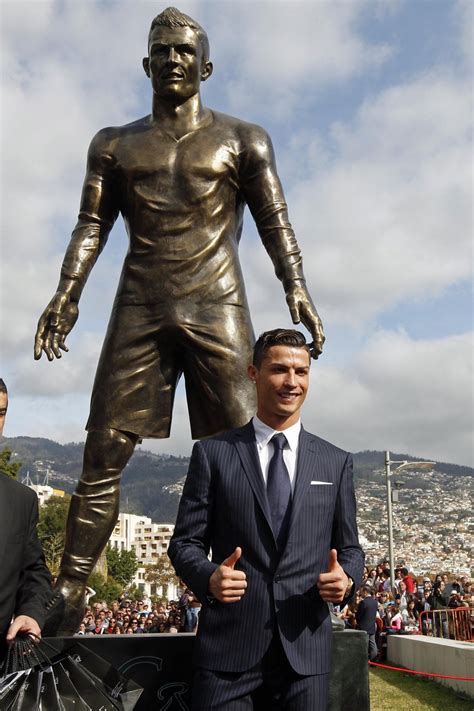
point(97, 214)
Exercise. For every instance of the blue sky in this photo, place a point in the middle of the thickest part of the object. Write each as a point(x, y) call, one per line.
point(369, 108)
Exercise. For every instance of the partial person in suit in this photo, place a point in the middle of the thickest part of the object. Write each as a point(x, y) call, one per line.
point(275, 505)
point(25, 581)
point(365, 617)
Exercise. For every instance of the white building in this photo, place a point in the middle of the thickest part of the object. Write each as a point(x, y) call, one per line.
point(44, 492)
point(124, 532)
point(149, 541)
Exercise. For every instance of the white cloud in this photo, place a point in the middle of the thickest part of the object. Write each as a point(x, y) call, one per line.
point(282, 51)
point(386, 214)
point(399, 394)
point(465, 19)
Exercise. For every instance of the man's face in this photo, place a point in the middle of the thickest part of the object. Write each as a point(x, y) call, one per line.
point(175, 63)
point(3, 410)
point(282, 381)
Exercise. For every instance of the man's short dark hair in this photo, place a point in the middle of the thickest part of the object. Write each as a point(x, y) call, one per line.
point(172, 17)
point(367, 589)
point(277, 337)
point(3, 387)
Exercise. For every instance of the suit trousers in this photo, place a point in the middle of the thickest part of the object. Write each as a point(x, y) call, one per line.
point(271, 685)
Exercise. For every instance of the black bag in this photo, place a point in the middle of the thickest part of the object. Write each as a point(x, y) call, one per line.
point(49, 699)
point(116, 685)
point(90, 690)
point(27, 698)
point(75, 679)
point(67, 692)
point(10, 687)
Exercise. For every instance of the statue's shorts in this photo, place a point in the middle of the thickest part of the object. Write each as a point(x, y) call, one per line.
point(146, 350)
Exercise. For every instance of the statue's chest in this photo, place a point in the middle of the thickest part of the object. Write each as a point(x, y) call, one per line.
point(198, 161)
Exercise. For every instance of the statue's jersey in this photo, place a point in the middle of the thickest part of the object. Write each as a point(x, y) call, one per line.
point(182, 201)
point(180, 306)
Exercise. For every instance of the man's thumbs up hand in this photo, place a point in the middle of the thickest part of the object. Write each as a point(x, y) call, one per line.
point(227, 584)
point(233, 558)
point(333, 584)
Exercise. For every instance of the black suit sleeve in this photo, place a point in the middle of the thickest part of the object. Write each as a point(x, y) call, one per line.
point(34, 588)
point(190, 544)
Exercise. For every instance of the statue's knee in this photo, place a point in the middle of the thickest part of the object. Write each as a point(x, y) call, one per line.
point(106, 450)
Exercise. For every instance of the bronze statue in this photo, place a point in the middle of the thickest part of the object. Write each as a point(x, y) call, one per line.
point(181, 178)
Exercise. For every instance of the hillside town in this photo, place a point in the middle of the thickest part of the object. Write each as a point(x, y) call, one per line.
point(433, 526)
point(433, 522)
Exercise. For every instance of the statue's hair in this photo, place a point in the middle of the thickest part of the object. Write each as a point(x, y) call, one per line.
point(3, 387)
point(277, 337)
point(172, 17)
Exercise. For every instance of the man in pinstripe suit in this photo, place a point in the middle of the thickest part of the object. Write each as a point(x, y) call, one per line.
point(279, 515)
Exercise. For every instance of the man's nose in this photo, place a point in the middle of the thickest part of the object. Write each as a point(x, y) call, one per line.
point(290, 378)
point(172, 55)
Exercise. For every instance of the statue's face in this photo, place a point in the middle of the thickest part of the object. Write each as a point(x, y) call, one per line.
point(175, 62)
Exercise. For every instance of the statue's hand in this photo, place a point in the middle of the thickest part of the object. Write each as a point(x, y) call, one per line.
point(302, 309)
point(56, 321)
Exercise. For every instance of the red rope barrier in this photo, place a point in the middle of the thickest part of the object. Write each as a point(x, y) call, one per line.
point(412, 671)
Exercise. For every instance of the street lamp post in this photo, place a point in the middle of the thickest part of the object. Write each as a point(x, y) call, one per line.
point(403, 464)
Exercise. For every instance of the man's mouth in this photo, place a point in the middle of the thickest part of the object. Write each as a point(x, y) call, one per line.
point(288, 396)
point(173, 76)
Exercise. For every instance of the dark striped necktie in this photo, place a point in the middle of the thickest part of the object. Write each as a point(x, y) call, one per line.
point(279, 490)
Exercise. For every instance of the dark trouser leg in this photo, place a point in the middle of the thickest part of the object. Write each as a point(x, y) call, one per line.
point(271, 685)
point(372, 646)
point(92, 516)
point(224, 691)
point(285, 690)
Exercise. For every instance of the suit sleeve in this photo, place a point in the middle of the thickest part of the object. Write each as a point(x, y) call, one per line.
point(345, 537)
point(190, 545)
point(34, 588)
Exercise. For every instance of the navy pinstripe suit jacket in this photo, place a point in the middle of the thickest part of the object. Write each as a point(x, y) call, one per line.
point(224, 505)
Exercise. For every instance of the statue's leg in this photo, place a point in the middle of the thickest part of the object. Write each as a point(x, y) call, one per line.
point(92, 516)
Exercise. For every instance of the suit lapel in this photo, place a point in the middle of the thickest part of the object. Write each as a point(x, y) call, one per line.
point(247, 450)
point(6, 509)
point(306, 464)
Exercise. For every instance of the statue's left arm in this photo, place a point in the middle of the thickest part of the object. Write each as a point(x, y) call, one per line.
point(263, 192)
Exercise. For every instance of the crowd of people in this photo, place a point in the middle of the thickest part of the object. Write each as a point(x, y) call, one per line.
point(392, 612)
point(141, 616)
point(416, 605)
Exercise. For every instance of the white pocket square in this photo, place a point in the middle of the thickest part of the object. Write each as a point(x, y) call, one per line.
point(321, 483)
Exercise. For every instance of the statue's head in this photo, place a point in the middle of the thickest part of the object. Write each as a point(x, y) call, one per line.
point(172, 17)
point(178, 55)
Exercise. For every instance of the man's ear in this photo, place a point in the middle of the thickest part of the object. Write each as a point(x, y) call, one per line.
point(206, 71)
point(146, 66)
point(252, 372)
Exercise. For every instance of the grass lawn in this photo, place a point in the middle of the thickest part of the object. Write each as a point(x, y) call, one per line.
point(396, 691)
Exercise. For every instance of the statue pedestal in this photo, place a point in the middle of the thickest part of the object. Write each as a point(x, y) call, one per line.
point(349, 687)
point(161, 664)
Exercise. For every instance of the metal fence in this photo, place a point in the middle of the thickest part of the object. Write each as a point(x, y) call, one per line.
point(453, 623)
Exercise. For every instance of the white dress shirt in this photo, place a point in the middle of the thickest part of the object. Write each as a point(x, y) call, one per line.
point(265, 448)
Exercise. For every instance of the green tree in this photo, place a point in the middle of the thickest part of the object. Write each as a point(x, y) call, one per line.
point(52, 529)
point(122, 565)
point(53, 516)
point(8, 467)
point(161, 573)
point(108, 590)
point(53, 547)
